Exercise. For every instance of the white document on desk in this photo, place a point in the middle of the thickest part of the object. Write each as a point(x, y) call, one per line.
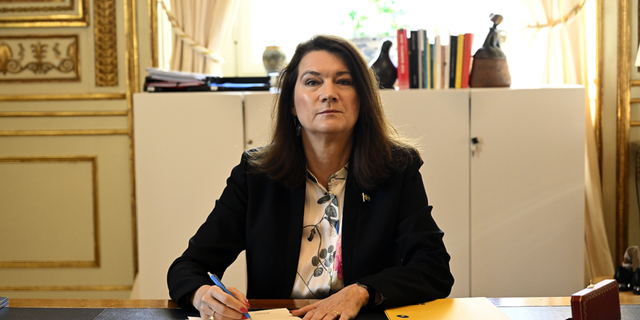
point(269, 314)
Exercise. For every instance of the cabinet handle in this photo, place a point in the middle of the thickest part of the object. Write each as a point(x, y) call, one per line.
point(474, 145)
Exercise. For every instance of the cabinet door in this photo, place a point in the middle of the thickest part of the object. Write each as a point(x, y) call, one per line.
point(185, 146)
point(527, 192)
point(438, 121)
point(257, 118)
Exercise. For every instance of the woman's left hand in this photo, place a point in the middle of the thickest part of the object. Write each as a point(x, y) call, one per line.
point(344, 304)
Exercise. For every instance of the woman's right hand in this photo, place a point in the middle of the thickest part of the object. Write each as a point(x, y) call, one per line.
point(213, 303)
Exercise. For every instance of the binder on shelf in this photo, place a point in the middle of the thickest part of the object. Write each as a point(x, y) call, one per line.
point(459, 49)
point(414, 57)
point(437, 64)
point(421, 53)
point(453, 53)
point(425, 59)
point(466, 59)
point(431, 66)
point(442, 65)
point(403, 60)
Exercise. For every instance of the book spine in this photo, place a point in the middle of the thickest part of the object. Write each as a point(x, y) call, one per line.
point(442, 67)
point(445, 67)
point(453, 52)
point(432, 64)
point(466, 59)
point(420, 59)
point(413, 60)
point(437, 78)
point(425, 59)
point(459, 49)
point(403, 60)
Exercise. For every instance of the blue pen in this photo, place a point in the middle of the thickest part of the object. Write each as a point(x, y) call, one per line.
point(219, 284)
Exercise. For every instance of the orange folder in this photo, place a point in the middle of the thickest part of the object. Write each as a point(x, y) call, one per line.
point(449, 309)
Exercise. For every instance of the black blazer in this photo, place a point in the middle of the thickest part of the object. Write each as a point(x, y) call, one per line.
point(389, 242)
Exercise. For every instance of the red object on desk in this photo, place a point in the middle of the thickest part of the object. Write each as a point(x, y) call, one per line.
point(600, 302)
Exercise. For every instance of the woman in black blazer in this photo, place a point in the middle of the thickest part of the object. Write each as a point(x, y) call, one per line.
point(333, 208)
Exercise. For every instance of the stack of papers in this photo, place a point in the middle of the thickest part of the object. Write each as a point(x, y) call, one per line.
point(165, 80)
point(175, 76)
point(270, 314)
point(160, 80)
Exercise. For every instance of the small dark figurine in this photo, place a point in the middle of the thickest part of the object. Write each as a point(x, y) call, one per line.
point(383, 67)
point(490, 67)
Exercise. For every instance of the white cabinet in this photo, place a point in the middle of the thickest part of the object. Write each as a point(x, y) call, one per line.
point(513, 213)
point(527, 192)
point(185, 147)
point(438, 121)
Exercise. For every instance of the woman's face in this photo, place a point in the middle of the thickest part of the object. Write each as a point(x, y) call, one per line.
point(325, 98)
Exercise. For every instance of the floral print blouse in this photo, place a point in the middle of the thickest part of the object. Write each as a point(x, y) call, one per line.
point(320, 266)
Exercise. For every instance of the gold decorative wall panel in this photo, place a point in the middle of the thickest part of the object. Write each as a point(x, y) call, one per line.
point(86, 111)
point(623, 128)
point(60, 229)
point(114, 276)
point(43, 13)
point(61, 97)
point(106, 48)
point(32, 133)
point(39, 58)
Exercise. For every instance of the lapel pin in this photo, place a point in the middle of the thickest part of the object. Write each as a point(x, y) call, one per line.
point(365, 197)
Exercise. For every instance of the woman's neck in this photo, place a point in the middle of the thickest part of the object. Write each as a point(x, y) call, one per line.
point(326, 156)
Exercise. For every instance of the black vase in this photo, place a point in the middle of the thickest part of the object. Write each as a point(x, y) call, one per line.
point(383, 67)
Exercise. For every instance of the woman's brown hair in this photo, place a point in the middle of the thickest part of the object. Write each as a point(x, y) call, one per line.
point(377, 148)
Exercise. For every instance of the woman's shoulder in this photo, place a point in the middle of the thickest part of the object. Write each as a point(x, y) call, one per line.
point(252, 155)
point(406, 157)
point(247, 171)
point(252, 162)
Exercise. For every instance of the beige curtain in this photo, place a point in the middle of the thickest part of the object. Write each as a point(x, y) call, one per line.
point(205, 24)
point(557, 47)
point(555, 36)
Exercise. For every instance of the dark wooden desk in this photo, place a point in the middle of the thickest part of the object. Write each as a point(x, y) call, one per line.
point(552, 308)
point(142, 303)
point(102, 309)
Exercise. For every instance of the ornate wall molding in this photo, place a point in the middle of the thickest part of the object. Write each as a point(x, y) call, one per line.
point(43, 13)
point(106, 47)
point(109, 17)
point(60, 97)
point(79, 132)
point(66, 288)
point(95, 262)
point(623, 128)
point(39, 58)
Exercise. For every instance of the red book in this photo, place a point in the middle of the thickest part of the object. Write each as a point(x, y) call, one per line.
point(466, 59)
point(403, 60)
